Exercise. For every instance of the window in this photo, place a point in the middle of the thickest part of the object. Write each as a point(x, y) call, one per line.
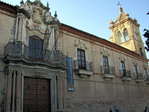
point(123, 68)
point(125, 33)
point(105, 61)
point(135, 35)
point(136, 69)
point(120, 37)
point(35, 47)
point(81, 59)
point(141, 52)
point(145, 72)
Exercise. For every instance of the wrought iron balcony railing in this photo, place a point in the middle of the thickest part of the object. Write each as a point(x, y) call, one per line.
point(146, 77)
point(20, 52)
point(139, 76)
point(84, 65)
point(125, 73)
point(108, 70)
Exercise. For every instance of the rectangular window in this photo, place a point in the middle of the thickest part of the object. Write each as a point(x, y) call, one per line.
point(35, 47)
point(145, 72)
point(136, 69)
point(123, 65)
point(123, 68)
point(81, 59)
point(105, 61)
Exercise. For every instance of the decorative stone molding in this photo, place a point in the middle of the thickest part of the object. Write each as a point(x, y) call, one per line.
point(39, 74)
point(145, 66)
point(121, 58)
point(47, 17)
point(104, 51)
point(36, 27)
point(134, 62)
point(37, 15)
point(80, 44)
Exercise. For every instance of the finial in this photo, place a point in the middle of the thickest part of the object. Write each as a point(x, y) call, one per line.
point(22, 2)
point(111, 22)
point(47, 5)
point(119, 4)
point(55, 15)
point(37, 0)
point(120, 8)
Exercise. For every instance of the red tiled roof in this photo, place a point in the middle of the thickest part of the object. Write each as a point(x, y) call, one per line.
point(7, 7)
point(100, 40)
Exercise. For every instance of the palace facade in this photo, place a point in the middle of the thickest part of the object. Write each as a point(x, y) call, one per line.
point(48, 66)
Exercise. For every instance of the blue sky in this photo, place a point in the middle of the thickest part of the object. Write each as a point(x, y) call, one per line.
point(93, 16)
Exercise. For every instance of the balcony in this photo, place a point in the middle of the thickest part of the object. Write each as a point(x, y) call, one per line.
point(146, 78)
point(83, 68)
point(139, 77)
point(18, 52)
point(126, 75)
point(108, 71)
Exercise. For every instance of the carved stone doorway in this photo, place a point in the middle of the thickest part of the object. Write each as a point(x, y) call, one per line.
point(36, 95)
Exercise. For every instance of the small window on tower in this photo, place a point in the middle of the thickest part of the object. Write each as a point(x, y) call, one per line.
point(141, 52)
point(120, 37)
point(125, 33)
point(135, 35)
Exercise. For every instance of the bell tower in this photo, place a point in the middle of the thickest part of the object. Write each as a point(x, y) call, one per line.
point(125, 32)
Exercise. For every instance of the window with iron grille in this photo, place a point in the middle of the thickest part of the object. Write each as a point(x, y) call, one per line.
point(105, 61)
point(136, 69)
point(146, 74)
point(145, 71)
point(81, 59)
point(123, 68)
point(35, 47)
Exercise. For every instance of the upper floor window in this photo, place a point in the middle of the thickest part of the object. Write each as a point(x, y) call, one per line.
point(145, 72)
point(120, 37)
point(81, 59)
point(123, 68)
point(136, 69)
point(123, 65)
point(105, 61)
point(125, 33)
point(35, 47)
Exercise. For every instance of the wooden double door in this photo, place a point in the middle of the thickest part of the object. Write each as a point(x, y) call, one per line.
point(36, 95)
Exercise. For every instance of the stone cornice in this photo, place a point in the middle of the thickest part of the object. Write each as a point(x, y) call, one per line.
point(122, 22)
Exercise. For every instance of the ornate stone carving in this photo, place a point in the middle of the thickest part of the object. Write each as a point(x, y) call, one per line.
point(48, 17)
point(36, 27)
point(80, 44)
point(104, 51)
point(39, 74)
point(37, 15)
point(134, 62)
point(121, 58)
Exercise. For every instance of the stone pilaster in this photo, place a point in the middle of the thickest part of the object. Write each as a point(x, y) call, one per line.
point(9, 89)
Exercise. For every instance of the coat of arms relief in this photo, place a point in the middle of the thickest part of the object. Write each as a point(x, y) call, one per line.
point(37, 15)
